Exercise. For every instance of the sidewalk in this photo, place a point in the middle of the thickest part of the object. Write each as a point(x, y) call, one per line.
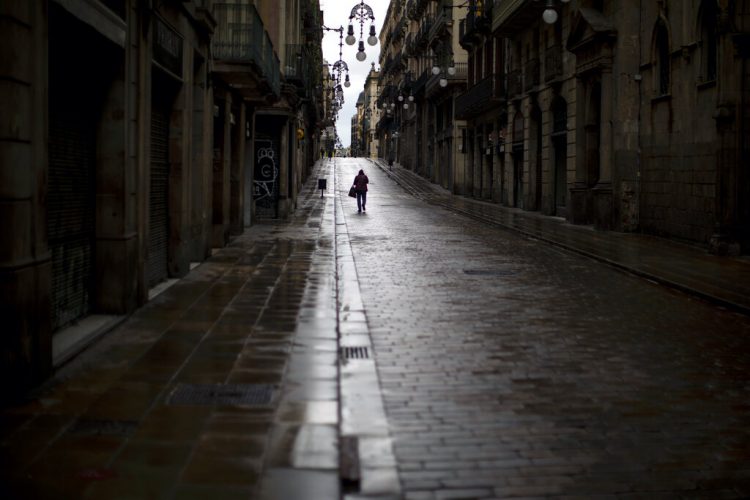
point(223, 386)
point(722, 280)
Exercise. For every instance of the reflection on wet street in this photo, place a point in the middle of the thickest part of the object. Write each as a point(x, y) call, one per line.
point(510, 367)
point(409, 352)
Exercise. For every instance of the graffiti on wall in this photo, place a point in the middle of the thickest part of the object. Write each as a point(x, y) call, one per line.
point(266, 178)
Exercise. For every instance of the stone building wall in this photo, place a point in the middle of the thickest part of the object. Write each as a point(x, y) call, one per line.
point(678, 129)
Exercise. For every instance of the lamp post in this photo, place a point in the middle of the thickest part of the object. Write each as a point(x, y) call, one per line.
point(362, 13)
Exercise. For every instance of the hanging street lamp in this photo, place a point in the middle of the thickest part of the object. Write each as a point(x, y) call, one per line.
point(361, 12)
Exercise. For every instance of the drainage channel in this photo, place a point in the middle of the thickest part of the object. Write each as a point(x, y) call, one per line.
point(367, 464)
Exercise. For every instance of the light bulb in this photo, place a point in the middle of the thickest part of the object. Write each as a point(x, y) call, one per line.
point(406, 105)
point(361, 56)
point(372, 39)
point(451, 70)
point(400, 98)
point(549, 16)
point(411, 98)
point(435, 70)
point(443, 82)
point(347, 83)
point(350, 39)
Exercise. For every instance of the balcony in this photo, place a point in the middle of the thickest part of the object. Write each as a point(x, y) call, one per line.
point(420, 82)
point(409, 45)
point(485, 96)
point(296, 65)
point(443, 20)
point(423, 36)
point(478, 22)
point(553, 69)
point(531, 74)
point(398, 31)
point(513, 16)
point(243, 51)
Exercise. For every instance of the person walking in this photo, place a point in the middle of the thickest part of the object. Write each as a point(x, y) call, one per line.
point(360, 188)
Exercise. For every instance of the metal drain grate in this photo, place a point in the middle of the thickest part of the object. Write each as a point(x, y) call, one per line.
point(97, 427)
point(355, 352)
point(490, 272)
point(221, 394)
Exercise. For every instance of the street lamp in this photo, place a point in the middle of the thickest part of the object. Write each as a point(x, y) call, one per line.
point(550, 13)
point(438, 70)
point(361, 12)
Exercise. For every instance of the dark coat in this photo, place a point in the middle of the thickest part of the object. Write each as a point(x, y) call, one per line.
point(360, 182)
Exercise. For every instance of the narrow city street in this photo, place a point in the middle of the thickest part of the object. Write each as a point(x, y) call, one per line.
point(509, 367)
point(404, 352)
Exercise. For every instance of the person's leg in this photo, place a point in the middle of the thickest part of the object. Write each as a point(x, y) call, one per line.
point(359, 201)
point(364, 199)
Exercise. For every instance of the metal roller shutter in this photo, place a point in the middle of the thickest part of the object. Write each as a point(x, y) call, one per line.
point(158, 248)
point(71, 212)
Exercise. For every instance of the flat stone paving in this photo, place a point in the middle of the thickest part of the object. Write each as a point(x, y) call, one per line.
point(513, 368)
point(224, 386)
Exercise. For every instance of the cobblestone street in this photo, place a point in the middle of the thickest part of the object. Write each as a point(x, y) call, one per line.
point(405, 352)
point(509, 367)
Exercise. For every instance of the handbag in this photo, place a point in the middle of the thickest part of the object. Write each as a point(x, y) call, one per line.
point(352, 192)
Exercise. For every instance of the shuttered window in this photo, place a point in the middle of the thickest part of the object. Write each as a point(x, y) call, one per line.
point(158, 248)
point(70, 211)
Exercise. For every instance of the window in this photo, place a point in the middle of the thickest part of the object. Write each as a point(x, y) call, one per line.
point(662, 67)
point(708, 40)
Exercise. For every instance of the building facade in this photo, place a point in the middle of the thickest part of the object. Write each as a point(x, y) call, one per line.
point(619, 115)
point(125, 157)
point(371, 115)
point(423, 69)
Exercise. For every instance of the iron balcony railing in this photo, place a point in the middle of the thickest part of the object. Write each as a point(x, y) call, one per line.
point(296, 64)
point(398, 30)
point(479, 98)
point(440, 22)
point(424, 31)
point(420, 82)
point(478, 20)
point(240, 38)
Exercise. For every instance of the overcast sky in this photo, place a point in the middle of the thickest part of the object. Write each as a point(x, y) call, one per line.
point(335, 14)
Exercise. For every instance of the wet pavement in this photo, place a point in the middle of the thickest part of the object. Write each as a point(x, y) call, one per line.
point(722, 280)
point(418, 350)
point(514, 368)
point(224, 386)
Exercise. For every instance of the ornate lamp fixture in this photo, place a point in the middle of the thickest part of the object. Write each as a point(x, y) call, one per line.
point(443, 69)
point(550, 12)
point(340, 67)
point(361, 12)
